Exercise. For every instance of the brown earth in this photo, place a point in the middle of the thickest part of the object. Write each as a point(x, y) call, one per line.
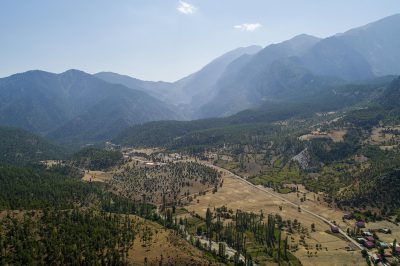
point(164, 245)
point(96, 176)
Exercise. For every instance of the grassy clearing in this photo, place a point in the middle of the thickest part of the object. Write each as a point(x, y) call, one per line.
point(278, 176)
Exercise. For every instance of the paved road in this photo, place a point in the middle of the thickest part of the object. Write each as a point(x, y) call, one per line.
point(344, 234)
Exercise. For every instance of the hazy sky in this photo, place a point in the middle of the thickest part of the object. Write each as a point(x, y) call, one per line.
point(161, 39)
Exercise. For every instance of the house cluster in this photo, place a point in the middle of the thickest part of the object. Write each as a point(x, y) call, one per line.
point(111, 146)
point(319, 132)
point(167, 157)
point(175, 156)
point(347, 216)
point(152, 163)
point(367, 240)
point(387, 257)
point(211, 156)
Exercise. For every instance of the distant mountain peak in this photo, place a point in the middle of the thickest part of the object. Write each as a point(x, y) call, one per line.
point(252, 49)
point(304, 36)
point(389, 21)
point(74, 71)
point(378, 42)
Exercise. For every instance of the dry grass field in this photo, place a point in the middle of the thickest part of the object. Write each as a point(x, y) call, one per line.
point(385, 140)
point(96, 176)
point(337, 135)
point(147, 151)
point(334, 135)
point(163, 244)
point(237, 194)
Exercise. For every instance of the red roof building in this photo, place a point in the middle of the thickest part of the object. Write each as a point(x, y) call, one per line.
point(370, 238)
point(360, 224)
point(369, 244)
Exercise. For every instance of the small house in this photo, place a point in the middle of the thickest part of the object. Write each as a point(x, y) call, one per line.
point(334, 229)
point(360, 240)
point(347, 215)
point(369, 244)
point(370, 238)
point(387, 254)
point(375, 258)
point(360, 224)
point(383, 244)
point(367, 233)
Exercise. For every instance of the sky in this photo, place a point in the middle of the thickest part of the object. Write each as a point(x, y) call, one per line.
point(161, 39)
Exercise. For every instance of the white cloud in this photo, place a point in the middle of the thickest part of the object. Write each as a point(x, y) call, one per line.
point(248, 26)
point(186, 8)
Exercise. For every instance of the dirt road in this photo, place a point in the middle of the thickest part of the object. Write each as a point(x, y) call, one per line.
point(316, 215)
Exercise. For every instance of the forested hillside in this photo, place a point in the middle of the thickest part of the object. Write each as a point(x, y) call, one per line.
point(72, 237)
point(96, 159)
point(19, 147)
point(62, 230)
point(215, 131)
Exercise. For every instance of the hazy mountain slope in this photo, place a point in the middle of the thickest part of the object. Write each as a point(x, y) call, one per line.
point(333, 57)
point(111, 115)
point(157, 89)
point(29, 101)
point(379, 44)
point(19, 147)
point(199, 87)
point(242, 84)
point(304, 63)
point(77, 102)
point(194, 89)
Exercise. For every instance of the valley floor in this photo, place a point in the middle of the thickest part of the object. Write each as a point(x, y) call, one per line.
point(314, 245)
point(238, 194)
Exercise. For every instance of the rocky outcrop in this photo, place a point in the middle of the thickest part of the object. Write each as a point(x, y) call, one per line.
point(303, 159)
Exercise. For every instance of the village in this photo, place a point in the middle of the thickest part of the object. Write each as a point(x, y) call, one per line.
point(379, 242)
point(376, 240)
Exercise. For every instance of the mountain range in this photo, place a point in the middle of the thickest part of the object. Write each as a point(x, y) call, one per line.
point(188, 93)
point(304, 64)
point(76, 107)
point(248, 77)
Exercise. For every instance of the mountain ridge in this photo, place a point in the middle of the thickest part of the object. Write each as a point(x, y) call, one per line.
point(337, 57)
point(44, 102)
